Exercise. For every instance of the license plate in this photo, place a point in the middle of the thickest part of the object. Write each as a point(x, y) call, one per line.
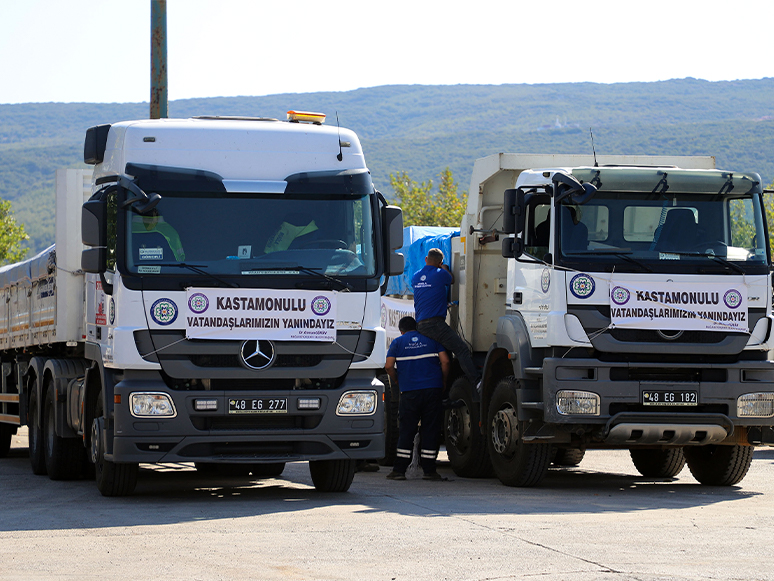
point(670, 397)
point(258, 405)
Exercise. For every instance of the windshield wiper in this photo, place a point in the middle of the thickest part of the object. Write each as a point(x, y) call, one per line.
point(715, 257)
point(199, 269)
point(312, 271)
point(620, 254)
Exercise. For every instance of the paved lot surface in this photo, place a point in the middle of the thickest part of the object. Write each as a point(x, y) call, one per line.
point(598, 521)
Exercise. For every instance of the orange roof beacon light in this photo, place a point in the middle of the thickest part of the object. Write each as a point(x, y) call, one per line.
point(306, 117)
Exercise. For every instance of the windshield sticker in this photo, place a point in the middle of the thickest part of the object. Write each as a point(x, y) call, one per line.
point(669, 306)
point(164, 312)
point(151, 253)
point(148, 269)
point(269, 272)
point(244, 251)
point(275, 314)
point(582, 286)
point(668, 256)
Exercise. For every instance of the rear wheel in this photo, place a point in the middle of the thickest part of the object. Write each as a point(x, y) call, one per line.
point(332, 475)
point(35, 436)
point(666, 463)
point(6, 433)
point(719, 465)
point(515, 463)
point(112, 479)
point(63, 456)
point(391, 404)
point(465, 446)
point(567, 456)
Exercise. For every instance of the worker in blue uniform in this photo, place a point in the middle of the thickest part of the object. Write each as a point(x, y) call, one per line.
point(430, 300)
point(419, 366)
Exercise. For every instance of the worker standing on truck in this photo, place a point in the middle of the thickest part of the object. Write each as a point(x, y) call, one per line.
point(430, 301)
point(422, 367)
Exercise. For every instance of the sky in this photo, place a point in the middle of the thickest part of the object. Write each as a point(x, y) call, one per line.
point(99, 50)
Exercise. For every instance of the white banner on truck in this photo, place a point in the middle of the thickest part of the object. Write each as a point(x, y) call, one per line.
point(393, 310)
point(695, 306)
point(282, 315)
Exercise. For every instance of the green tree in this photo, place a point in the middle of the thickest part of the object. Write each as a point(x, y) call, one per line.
point(423, 208)
point(768, 207)
point(11, 235)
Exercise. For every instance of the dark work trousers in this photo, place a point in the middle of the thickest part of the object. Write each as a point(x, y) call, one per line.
point(437, 329)
point(419, 405)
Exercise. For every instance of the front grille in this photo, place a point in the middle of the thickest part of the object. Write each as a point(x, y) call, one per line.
point(648, 336)
point(257, 422)
point(669, 374)
point(617, 408)
point(235, 361)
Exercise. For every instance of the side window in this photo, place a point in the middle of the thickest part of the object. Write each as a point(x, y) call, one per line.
point(112, 230)
point(537, 230)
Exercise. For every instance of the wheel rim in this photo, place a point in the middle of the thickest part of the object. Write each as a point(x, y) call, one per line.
point(458, 429)
point(505, 431)
point(50, 431)
point(95, 441)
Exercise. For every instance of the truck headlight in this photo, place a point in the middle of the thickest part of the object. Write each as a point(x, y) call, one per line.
point(571, 403)
point(357, 403)
point(755, 405)
point(151, 405)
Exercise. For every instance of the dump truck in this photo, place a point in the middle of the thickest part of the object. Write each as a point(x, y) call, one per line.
point(212, 296)
point(618, 302)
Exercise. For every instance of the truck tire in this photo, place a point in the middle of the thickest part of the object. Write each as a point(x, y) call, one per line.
point(666, 463)
point(112, 479)
point(36, 437)
point(63, 456)
point(465, 445)
point(515, 463)
point(6, 434)
point(719, 465)
point(391, 429)
point(567, 456)
point(332, 475)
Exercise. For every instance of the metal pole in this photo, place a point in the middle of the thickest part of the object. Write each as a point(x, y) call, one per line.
point(158, 99)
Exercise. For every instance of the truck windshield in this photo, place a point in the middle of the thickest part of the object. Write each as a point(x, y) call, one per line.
point(664, 233)
point(253, 235)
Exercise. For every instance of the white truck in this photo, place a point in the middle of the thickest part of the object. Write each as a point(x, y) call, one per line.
point(613, 303)
point(213, 297)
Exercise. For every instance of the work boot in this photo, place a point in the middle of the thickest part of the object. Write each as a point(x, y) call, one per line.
point(396, 476)
point(434, 476)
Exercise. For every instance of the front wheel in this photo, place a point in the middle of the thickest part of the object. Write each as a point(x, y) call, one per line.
point(465, 445)
point(112, 479)
point(666, 463)
point(719, 465)
point(332, 475)
point(515, 463)
point(567, 457)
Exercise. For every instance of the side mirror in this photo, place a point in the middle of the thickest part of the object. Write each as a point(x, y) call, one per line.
point(512, 247)
point(94, 223)
point(94, 260)
point(94, 234)
point(396, 264)
point(392, 221)
point(514, 211)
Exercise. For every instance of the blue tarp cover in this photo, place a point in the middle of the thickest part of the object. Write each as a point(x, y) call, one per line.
point(417, 240)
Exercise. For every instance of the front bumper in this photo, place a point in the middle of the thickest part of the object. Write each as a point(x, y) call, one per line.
point(625, 421)
point(218, 436)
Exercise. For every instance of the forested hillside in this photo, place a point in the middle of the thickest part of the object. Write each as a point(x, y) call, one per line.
point(423, 129)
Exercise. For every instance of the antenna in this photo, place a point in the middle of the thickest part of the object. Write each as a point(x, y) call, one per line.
point(340, 156)
point(592, 148)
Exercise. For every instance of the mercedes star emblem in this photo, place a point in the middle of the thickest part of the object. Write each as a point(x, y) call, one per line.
point(257, 354)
